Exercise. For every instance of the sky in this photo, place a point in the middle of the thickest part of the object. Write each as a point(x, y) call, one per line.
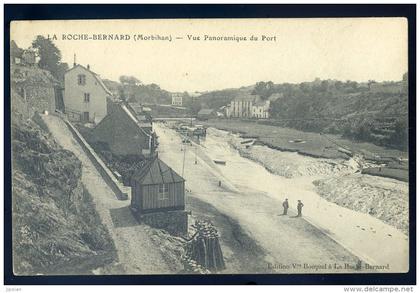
point(293, 50)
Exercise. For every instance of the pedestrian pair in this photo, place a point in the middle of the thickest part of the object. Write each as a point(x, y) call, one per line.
point(286, 207)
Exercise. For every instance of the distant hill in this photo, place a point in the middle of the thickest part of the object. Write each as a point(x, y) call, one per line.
point(140, 93)
point(373, 112)
point(217, 99)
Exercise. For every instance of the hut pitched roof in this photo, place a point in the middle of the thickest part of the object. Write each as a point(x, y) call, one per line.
point(155, 171)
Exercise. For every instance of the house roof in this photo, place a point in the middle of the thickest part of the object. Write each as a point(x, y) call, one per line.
point(15, 51)
point(122, 109)
point(205, 111)
point(134, 119)
point(137, 108)
point(95, 75)
point(155, 171)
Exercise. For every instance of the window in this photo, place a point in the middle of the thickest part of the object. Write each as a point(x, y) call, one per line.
point(85, 117)
point(87, 98)
point(163, 191)
point(81, 79)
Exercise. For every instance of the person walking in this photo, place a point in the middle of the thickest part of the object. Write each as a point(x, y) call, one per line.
point(285, 206)
point(299, 208)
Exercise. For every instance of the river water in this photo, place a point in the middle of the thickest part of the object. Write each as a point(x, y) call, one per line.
point(372, 240)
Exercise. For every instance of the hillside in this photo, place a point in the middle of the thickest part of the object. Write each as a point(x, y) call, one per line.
point(379, 116)
point(217, 99)
point(55, 226)
point(139, 93)
point(370, 112)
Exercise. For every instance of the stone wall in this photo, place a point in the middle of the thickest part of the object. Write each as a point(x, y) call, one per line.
point(40, 98)
point(35, 86)
point(175, 222)
point(120, 191)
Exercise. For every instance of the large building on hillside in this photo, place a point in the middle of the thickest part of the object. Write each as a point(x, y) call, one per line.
point(126, 132)
point(260, 109)
point(250, 106)
point(241, 106)
point(177, 99)
point(85, 95)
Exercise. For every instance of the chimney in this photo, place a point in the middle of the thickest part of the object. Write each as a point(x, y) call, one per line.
point(88, 67)
point(74, 60)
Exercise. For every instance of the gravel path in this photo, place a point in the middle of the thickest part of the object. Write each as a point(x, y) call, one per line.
point(136, 252)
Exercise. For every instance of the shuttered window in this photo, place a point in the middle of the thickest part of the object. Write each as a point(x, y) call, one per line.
point(81, 79)
point(87, 98)
point(163, 191)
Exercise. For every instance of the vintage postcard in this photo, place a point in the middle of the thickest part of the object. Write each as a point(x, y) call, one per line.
point(210, 146)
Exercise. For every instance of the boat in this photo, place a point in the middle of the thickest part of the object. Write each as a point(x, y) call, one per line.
point(219, 162)
point(250, 141)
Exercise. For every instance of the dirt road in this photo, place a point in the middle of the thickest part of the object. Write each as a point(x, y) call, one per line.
point(289, 244)
point(136, 252)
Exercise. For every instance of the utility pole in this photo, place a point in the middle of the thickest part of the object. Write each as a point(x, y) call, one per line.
point(198, 142)
point(183, 160)
point(196, 154)
point(192, 104)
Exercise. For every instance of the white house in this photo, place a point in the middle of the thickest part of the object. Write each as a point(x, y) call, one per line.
point(250, 106)
point(241, 106)
point(260, 109)
point(85, 95)
point(177, 99)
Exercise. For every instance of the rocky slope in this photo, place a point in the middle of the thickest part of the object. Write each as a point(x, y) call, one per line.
point(55, 226)
point(382, 198)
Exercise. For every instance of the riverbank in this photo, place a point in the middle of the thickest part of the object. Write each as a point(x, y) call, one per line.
point(336, 180)
point(318, 145)
point(383, 198)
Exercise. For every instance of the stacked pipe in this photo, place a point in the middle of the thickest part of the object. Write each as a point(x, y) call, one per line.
point(192, 266)
point(204, 248)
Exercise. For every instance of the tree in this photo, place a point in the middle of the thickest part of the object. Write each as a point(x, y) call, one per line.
point(129, 80)
point(121, 93)
point(338, 85)
point(61, 70)
point(324, 86)
point(49, 57)
point(399, 138)
point(154, 87)
point(305, 87)
point(263, 89)
point(370, 82)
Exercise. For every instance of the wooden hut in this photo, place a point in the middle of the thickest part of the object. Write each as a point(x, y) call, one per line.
point(156, 187)
point(158, 197)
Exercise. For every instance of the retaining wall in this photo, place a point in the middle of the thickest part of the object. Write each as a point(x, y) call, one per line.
point(175, 222)
point(99, 164)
